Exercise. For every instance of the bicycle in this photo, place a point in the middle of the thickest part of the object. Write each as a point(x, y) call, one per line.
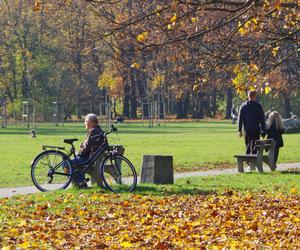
point(52, 169)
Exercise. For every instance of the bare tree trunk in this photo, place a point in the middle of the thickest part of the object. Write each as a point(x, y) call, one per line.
point(214, 102)
point(287, 109)
point(198, 107)
point(228, 103)
point(126, 101)
point(133, 101)
point(182, 107)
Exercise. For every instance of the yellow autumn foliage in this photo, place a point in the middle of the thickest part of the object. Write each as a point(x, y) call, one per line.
point(108, 221)
point(142, 37)
point(157, 81)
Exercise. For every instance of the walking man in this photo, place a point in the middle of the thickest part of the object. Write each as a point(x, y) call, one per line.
point(252, 119)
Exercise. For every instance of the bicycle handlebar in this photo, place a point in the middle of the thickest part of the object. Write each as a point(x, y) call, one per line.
point(112, 130)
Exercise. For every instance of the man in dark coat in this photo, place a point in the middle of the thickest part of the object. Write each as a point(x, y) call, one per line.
point(252, 119)
point(93, 140)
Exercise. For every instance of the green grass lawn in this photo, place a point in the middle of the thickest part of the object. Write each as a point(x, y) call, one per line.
point(194, 145)
point(273, 183)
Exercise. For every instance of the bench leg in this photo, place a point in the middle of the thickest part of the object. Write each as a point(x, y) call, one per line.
point(240, 165)
point(95, 176)
point(259, 166)
point(271, 166)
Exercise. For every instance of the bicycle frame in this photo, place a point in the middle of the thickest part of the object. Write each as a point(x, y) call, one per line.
point(103, 148)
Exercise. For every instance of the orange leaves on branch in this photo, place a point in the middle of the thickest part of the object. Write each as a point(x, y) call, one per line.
point(142, 37)
point(196, 88)
point(110, 80)
point(173, 18)
point(246, 79)
point(247, 27)
point(194, 19)
point(278, 4)
point(157, 81)
point(267, 90)
point(37, 6)
point(135, 65)
point(275, 51)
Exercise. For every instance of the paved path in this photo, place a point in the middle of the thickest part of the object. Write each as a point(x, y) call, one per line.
point(8, 192)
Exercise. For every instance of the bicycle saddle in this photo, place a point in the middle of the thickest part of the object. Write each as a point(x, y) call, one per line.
point(70, 141)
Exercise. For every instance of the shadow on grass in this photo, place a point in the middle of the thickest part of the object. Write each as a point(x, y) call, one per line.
point(295, 172)
point(162, 190)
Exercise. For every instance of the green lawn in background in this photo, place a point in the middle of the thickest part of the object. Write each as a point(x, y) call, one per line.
point(194, 145)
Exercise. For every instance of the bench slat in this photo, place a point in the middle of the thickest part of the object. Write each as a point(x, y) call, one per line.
point(246, 156)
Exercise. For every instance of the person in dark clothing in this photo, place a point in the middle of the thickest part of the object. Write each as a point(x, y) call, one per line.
point(234, 114)
point(275, 129)
point(93, 140)
point(252, 119)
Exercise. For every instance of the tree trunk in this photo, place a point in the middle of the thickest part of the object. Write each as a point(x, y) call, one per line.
point(214, 102)
point(186, 106)
point(133, 106)
point(126, 101)
point(25, 78)
point(228, 103)
point(182, 107)
point(79, 111)
point(133, 101)
point(179, 109)
point(198, 107)
point(287, 109)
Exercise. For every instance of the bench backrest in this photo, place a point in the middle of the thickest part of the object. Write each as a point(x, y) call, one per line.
point(265, 145)
point(260, 147)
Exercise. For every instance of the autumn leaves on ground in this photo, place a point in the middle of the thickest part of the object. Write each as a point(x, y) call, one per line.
point(225, 215)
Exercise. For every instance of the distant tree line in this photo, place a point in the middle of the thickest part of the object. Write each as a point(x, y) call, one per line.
point(197, 58)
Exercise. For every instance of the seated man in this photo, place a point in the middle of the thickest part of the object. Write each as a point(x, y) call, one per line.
point(94, 138)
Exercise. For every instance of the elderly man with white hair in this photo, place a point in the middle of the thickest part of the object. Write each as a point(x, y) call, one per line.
point(93, 139)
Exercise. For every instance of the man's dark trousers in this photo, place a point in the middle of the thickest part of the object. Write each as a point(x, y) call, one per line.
point(250, 138)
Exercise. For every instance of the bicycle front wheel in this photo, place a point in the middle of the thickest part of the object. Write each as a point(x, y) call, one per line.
point(51, 170)
point(118, 174)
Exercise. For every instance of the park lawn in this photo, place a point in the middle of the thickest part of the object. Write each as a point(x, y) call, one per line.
point(239, 211)
point(194, 145)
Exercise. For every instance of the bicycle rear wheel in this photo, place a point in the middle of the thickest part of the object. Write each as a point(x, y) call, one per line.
point(118, 174)
point(51, 170)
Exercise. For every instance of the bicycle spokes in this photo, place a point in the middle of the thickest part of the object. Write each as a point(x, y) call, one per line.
point(119, 174)
point(51, 171)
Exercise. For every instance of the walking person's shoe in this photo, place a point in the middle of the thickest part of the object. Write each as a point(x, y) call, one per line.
point(251, 167)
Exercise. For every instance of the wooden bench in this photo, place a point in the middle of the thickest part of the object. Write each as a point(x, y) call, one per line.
point(259, 158)
point(94, 172)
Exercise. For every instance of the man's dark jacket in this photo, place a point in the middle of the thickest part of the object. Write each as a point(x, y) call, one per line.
point(251, 116)
point(93, 139)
